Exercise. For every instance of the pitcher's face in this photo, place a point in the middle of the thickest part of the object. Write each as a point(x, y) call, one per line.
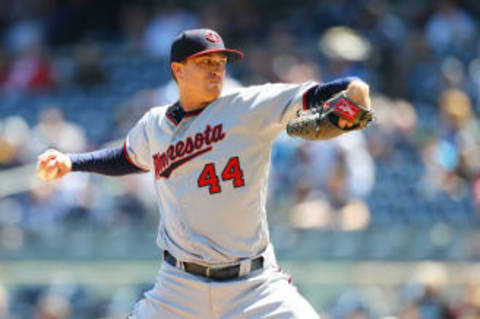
point(202, 76)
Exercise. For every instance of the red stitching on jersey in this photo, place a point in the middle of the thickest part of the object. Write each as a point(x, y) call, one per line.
point(130, 160)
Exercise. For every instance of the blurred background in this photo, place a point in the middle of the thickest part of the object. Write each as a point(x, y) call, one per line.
point(378, 224)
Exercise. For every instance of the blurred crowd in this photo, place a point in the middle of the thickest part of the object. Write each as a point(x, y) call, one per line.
point(75, 75)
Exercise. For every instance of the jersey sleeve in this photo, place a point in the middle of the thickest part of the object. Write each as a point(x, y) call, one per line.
point(278, 103)
point(137, 147)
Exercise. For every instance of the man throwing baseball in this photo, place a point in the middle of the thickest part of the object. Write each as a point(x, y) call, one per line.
point(210, 157)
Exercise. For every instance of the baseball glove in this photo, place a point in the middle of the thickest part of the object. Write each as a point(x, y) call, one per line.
point(320, 123)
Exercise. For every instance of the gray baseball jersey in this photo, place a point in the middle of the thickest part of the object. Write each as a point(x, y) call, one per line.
point(211, 170)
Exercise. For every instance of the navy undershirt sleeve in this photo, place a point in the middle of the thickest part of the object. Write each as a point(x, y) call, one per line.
point(318, 94)
point(111, 161)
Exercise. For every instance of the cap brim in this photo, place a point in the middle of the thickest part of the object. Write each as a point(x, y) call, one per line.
point(232, 54)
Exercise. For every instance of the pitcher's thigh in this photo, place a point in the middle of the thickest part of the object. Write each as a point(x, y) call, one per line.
point(175, 295)
point(284, 302)
point(275, 298)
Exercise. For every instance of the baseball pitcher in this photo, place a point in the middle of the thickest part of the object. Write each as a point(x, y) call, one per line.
point(210, 156)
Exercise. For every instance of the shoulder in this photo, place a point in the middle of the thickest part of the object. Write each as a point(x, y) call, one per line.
point(247, 89)
point(153, 115)
point(270, 87)
point(156, 113)
point(247, 92)
point(267, 91)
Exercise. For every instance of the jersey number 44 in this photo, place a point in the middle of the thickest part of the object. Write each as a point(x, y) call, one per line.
point(232, 171)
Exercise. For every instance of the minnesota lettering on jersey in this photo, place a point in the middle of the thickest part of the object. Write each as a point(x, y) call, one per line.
point(185, 150)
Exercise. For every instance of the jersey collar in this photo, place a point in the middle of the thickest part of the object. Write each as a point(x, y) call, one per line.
point(175, 113)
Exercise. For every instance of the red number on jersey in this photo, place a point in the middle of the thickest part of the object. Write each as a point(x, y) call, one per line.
point(209, 178)
point(233, 171)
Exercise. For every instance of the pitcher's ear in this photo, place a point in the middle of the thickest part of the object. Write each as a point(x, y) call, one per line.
point(177, 70)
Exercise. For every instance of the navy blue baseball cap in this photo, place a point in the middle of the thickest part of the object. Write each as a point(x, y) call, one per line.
point(197, 42)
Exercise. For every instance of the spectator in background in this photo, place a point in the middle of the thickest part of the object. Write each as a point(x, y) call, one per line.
point(301, 71)
point(395, 127)
point(213, 13)
point(423, 74)
point(469, 306)
point(44, 210)
point(134, 22)
point(130, 209)
point(452, 158)
point(334, 12)
point(350, 305)
point(425, 294)
point(251, 23)
point(461, 128)
point(53, 130)
point(389, 35)
point(15, 138)
point(88, 72)
point(52, 306)
point(169, 21)
point(432, 306)
point(334, 200)
point(450, 29)
point(31, 70)
point(23, 33)
point(344, 49)
point(259, 66)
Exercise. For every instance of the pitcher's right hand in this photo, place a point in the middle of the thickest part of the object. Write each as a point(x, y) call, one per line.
point(53, 164)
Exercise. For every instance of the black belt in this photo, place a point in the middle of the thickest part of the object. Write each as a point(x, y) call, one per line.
point(217, 274)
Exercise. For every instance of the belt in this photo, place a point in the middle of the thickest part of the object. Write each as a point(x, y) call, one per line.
point(217, 274)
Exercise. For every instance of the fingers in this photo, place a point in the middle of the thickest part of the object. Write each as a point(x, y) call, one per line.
point(45, 157)
point(359, 92)
point(48, 172)
point(53, 165)
point(44, 163)
point(343, 123)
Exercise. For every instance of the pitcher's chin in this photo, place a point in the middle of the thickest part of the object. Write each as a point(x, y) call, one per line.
point(215, 89)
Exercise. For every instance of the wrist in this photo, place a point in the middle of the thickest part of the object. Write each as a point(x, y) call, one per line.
point(359, 91)
point(68, 163)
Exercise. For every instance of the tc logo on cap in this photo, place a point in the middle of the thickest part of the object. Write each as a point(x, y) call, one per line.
point(212, 37)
